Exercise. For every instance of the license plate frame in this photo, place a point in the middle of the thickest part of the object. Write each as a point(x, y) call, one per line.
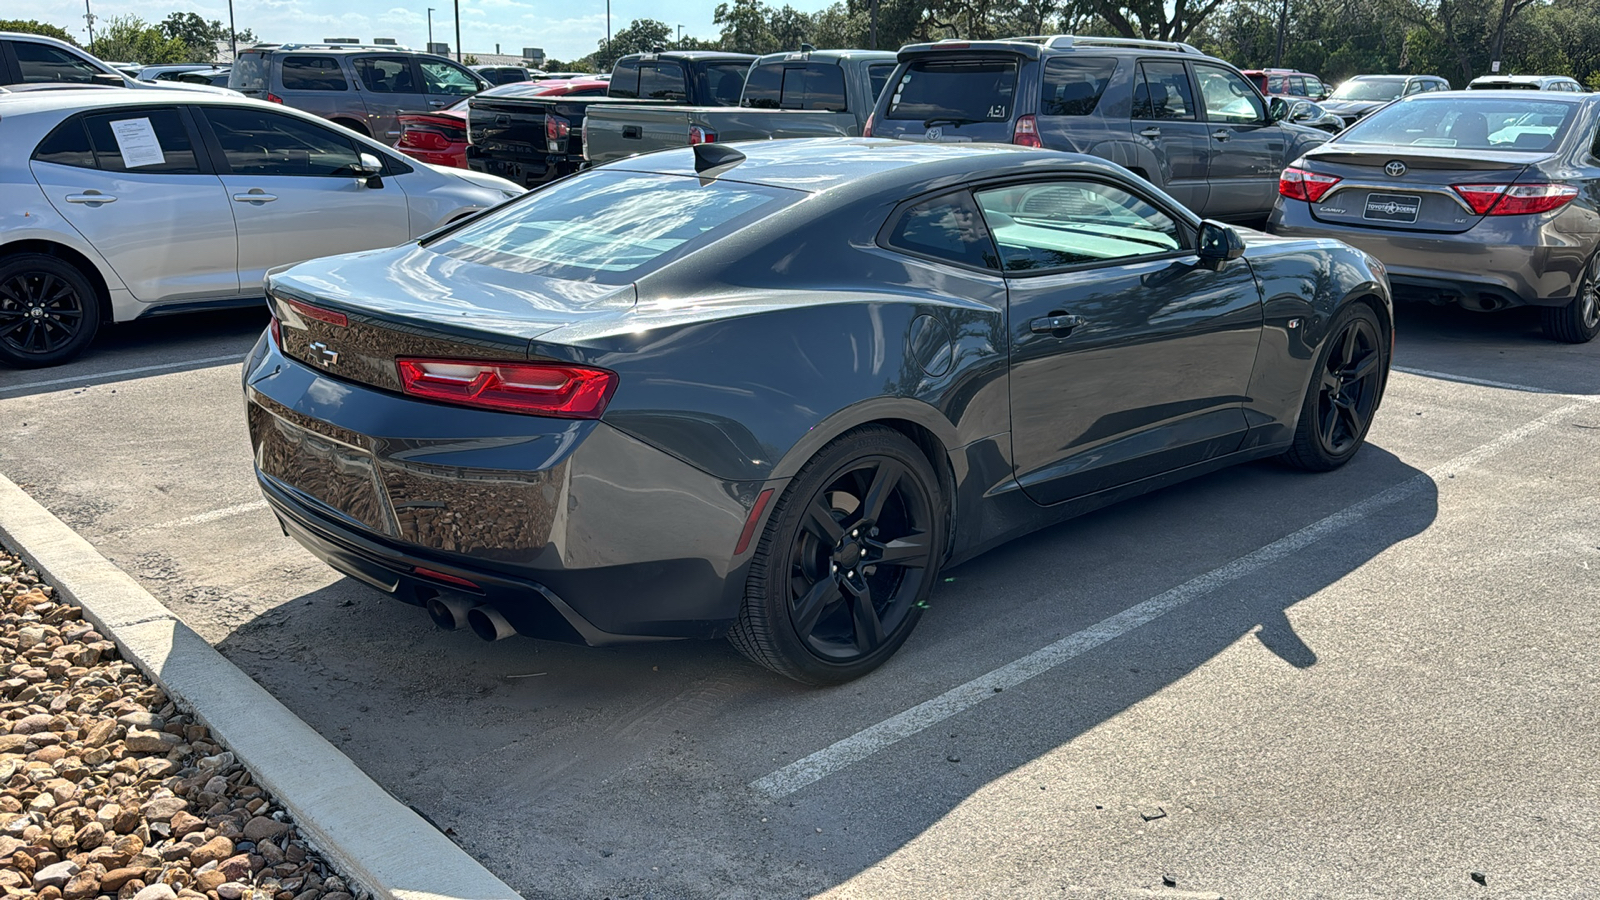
point(1400, 209)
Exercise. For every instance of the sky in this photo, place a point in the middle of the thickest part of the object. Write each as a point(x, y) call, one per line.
point(566, 30)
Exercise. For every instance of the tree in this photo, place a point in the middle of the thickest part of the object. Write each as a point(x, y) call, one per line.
point(470, 60)
point(199, 35)
point(33, 26)
point(641, 36)
point(132, 39)
point(1152, 19)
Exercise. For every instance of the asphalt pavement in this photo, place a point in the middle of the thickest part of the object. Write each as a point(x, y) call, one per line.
point(1377, 682)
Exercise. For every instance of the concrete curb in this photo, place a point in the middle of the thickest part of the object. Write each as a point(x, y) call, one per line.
point(369, 836)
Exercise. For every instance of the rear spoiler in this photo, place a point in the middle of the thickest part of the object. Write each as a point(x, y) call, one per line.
point(1025, 49)
point(1420, 158)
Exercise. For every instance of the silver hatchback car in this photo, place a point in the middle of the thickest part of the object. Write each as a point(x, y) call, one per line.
point(117, 205)
point(1485, 199)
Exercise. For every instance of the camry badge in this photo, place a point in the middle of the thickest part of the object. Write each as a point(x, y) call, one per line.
point(322, 355)
point(1395, 168)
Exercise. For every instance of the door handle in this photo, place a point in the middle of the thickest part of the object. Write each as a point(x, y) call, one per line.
point(255, 195)
point(1151, 132)
point(436, 103)
point(91, 197)
point(1221, 134)
point(1055, 324)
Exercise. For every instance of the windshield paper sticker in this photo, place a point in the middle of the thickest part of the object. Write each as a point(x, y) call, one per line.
point(137, 142)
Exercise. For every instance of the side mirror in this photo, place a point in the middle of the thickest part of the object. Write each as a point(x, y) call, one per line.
point(1219, 243)
point(1277, 109)
point(109, 78)
point(371, 169)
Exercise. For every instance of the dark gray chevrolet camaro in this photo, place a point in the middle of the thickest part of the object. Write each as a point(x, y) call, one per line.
point(768, 390)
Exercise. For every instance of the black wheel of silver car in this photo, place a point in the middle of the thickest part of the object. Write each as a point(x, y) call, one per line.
point(1345, 389)
point(847, 561)
point(1579, 321)
point(48, 311)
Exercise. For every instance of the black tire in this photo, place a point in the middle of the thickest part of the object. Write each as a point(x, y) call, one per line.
point(1346, 387)
point(49, 311)
point(818, 606)
point(1579, 321)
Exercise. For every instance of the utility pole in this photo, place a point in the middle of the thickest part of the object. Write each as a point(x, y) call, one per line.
point(430, 30)
point(680, 37)
point(458, 30)
point(233, 33)
point(88, 17)
point(608, 30)
point(874, 29)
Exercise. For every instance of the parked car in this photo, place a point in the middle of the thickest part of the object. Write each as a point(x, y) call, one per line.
point(503, 74)
point(158, 73)
point(27, 59)
point(812, 93)
point(1310, 114)
point(1287, 82)
point(532, 138)
point(217, 76)
point(1485, 200)
point(892, 356)
point(581, 86)
point(1525, 83)
point(1364, 93)
point(440, 137)
point(365, 88)
point(119, 205)
point(1190, 124)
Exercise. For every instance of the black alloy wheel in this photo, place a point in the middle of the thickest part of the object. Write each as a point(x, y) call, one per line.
point(1577, 322)
point(848, 559)
point(48, 311)
point(1347, 385)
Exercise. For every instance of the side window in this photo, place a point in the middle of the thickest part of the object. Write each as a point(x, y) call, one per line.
point(1073, 85)
point(763, 89)
point(313, 73)
point(41, 63)
point(723, 81)
point(68, 145)
point(260, 142)
point(625, 80)
point(812, 87)
point(1277, 84)
point(140, 141)
point(1297, 86)
point(1414, 87)
point(947, 227)
point(440, 77)
point(1070, 223)
point(385, 74)
point(878, 76)
point(663, 81)
point(1162, 91)
point(1227, 96)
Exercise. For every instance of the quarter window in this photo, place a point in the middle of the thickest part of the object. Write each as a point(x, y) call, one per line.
point(142, 141)
point(267, 143)
point(386, 74)
point(1072, 223)
point(68, 145)
point(1073, 85)
point(1162, 91)
point(42, 63)
point(1228, 97)
point(947, 227)
point(313, 73)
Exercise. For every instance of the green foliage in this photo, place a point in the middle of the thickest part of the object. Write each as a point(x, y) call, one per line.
point(132, 39)
point(33, 26)
point(641, 36)
point(471, 59)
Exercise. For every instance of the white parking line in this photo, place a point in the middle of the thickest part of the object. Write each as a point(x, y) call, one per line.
point(1483, 382)
point(870, 740)
point(118, 373)
point(202, 518)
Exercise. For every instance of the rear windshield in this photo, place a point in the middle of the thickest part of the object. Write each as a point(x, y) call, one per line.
point(1375, 89)
point(724, 82)
point(249, 72)
point(1468, 124)
point(608, 226)
point(961, 90)
point(1503, 86)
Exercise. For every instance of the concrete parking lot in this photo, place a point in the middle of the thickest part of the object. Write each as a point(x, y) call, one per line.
point(1372, 683)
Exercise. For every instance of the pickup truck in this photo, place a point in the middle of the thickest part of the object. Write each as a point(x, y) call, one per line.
point(535, 139)
point(812, 93)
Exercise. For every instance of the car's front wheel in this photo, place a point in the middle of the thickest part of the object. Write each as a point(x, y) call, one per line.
point(1576, 322)
point(1346, 386)
point(848, 558)
point(48, 311)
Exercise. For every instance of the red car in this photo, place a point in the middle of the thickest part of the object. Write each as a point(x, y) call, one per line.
point(440, 137)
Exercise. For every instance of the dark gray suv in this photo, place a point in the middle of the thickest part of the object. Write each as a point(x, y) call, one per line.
point(1186, 122)
point(364, 87)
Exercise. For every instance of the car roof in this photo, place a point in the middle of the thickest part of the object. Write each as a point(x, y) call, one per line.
point(822, 164)
point(1038, 46)
point(1523, 79)
point(834, 56)
point(1511, 94)
point(87, 97)
point(689, 55)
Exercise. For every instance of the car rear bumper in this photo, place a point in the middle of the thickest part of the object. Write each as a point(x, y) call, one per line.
point(528, 172)
point(1501, 262)
point(573, 530)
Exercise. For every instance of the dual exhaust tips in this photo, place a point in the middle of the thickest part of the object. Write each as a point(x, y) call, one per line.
point(485, 621)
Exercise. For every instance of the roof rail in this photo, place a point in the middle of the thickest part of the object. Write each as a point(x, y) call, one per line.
point(322, 45)
point(1067, 41)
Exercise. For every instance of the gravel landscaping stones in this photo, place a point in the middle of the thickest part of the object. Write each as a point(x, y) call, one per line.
point(107, 789)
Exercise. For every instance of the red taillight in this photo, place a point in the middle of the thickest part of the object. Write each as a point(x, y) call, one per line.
point(1298, 184)
point(275, 328)
point(556, 131)
point(1515, 199)
point(866, 130)
point(317, 312)
point(445, 578)
point(423, 137)
point(1026, 132)
point(698, 135)
point(273, 98)
point(537, 389)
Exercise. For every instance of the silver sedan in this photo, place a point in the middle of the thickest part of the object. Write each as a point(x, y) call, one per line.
point(115, 207)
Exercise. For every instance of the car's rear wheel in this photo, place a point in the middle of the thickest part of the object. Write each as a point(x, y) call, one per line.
point(48, 311)
point(1578, 321)
point(848, 558)
point(1345, 389)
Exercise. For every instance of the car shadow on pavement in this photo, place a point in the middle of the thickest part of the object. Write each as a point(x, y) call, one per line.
point(626, 771)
